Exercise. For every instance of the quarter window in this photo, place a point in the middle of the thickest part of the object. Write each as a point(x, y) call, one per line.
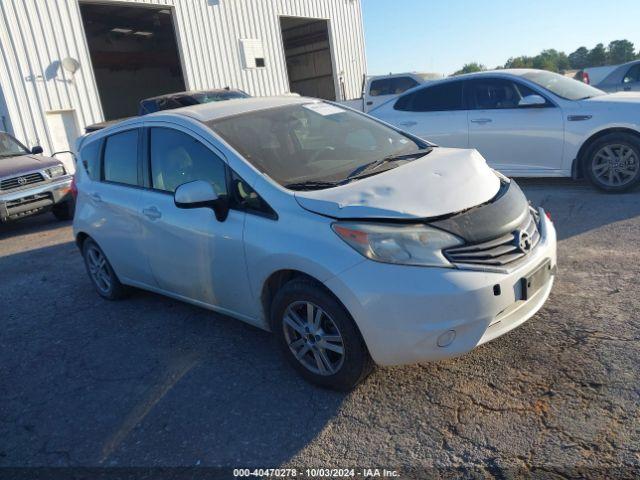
point(436, 98)
point(178, 158)
point(121, 158)
point(90, 157)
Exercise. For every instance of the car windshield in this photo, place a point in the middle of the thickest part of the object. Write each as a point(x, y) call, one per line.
point(217, 96)
point(312, 142)
point(10, 147)
point(563, 87)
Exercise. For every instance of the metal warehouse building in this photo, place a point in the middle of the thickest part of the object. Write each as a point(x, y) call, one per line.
point(66, 64)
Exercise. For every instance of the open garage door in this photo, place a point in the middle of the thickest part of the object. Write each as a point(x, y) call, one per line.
point(307, 50)
point(134, 53)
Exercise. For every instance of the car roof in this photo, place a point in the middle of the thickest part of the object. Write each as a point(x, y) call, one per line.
point(215, 110)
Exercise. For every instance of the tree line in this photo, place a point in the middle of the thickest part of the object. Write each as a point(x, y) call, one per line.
point(618, 51)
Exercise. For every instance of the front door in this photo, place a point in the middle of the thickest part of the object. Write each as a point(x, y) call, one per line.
point(190, 252)
point(514, 140)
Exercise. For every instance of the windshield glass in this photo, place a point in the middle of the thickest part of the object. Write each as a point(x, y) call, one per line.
point(217, 96)
point(316, 142)
point(564, 87)
point(10, 147)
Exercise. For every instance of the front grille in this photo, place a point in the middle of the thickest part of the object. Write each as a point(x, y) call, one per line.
point(21, 181)
point(502, 250)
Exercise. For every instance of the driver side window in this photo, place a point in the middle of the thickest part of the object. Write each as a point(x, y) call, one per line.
point(496, 94)
point(178, 158)
point(633, 75)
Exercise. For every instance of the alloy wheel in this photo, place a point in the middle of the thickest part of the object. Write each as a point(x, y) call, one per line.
point(98, 269)
point(313, 338)
point(615, 165)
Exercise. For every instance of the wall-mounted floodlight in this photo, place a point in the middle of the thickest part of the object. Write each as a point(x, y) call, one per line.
point(71, 65)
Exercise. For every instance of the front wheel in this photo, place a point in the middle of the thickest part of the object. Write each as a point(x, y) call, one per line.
point(612, 163)
point(318, 336)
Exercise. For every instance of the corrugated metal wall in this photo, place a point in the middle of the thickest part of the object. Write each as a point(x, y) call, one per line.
point(35, 35)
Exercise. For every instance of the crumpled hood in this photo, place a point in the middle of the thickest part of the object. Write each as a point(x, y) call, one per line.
point(13, 166)
point(445, 181)
point(618, 97)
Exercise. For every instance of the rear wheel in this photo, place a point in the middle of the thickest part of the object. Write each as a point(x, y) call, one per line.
point(612, 162)
point(318, 336)
point(102, 275)
point(64, 210)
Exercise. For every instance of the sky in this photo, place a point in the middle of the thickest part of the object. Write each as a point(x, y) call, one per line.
point(442, 35)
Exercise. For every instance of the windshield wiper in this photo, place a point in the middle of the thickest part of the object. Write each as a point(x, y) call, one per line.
point(367, 169)
point(311, 185)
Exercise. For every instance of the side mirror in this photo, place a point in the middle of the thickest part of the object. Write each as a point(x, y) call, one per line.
point(201, 194)
point(37, 150)
point(532, 101)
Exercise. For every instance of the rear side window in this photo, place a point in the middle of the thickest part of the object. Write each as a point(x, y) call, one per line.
point(402, 84)
point(380, 87)
point(178, 158)
point(90, 158)
point(121, 158)
point(436, 98)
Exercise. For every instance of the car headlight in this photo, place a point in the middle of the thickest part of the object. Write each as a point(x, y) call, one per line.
point(56, 171)
point(400, 244)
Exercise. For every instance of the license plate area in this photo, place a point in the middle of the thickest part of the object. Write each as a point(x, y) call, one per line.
point(535, 280)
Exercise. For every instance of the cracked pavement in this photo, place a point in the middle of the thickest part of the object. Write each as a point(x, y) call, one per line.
point(150, 381)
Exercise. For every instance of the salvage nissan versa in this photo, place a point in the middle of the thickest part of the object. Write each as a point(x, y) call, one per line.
point(354, 243)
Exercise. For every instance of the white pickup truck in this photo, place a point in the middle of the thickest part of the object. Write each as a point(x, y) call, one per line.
point(380, 88)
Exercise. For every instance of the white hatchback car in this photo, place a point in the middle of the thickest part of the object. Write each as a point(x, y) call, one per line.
point(529, 123)
point(352, 241)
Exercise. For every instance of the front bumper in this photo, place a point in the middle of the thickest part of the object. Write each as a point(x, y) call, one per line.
point(414, 314)
point(36, 199)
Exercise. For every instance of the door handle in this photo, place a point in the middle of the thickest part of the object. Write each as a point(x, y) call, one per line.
point(95, 197)
point(409, 123)
point(481, 121)
point(152, 213)
point(369, 102)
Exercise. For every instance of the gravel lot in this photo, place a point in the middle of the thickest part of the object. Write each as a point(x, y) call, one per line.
point(153, 382)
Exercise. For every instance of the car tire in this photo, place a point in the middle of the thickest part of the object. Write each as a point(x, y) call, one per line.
point(609, 158)
point(64, 211)
point(101, 273)
point(330, 350)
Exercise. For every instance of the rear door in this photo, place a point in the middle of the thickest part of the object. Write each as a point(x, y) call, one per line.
point(434, 112)
point(191, 253)
point(515, 140)
point(113, 202)
point(383, 89)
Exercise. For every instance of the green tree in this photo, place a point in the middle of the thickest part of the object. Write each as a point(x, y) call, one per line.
point(579, 59)
point(620, 51)
point(470, 68)
point(519, 62)
point(598, 56)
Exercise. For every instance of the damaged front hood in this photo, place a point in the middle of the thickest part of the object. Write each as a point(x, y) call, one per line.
point(445, 181)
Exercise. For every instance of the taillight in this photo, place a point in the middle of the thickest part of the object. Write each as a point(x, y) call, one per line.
point(548, 215)
point(585, 78)
point(74, 188)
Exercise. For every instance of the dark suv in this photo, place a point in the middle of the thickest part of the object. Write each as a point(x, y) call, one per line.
point(32, 184)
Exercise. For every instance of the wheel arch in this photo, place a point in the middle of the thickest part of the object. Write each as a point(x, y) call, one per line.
point(578, 164)
point(81, 237)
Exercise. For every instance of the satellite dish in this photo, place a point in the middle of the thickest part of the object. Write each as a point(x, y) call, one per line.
point(71, 65)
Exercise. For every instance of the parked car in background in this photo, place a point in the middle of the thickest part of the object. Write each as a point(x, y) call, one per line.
point(32, 184)
point(176, 100)
point(529, 123)
point(378, 89)
point(351, 241)
point(614, 78)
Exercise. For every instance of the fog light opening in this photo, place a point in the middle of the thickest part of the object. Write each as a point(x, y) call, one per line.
point(446, 338)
